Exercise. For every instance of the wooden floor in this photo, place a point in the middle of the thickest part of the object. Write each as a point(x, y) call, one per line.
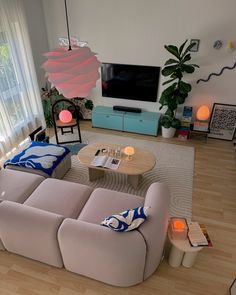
point(214, 203)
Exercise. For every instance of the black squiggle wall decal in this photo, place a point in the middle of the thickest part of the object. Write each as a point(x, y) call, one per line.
point(217, 74)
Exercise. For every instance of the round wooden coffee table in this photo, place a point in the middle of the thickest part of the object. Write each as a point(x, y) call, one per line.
point(142, 161)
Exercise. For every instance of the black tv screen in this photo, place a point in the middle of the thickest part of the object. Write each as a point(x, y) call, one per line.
point(133, 82)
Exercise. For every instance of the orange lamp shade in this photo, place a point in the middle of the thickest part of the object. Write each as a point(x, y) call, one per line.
point(178, 228)
point(179, 225)
point(65, 116)
point(129, 150)
point(203, 113)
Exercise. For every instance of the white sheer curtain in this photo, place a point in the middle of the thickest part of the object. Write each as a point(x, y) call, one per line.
point(20, 103)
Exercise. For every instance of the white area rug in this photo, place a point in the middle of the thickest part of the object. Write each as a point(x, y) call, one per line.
point(175, 166)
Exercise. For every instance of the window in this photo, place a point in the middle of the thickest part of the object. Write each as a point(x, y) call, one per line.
point(20, 101)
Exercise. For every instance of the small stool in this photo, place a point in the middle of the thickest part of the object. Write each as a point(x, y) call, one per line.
point(182, 253)
point(59, 167)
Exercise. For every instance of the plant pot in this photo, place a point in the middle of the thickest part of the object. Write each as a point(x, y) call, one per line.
point(168, 132)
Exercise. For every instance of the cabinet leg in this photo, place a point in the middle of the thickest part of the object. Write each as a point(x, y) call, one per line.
point(175, 257)
point(189, 259)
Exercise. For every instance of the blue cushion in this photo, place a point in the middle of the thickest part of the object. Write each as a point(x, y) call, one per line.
point(127, 220)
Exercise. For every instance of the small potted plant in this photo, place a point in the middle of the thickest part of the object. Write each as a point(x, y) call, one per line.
point(176, 93)
point(49, 96)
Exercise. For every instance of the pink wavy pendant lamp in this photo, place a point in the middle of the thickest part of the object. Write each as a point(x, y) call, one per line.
point(73, 71)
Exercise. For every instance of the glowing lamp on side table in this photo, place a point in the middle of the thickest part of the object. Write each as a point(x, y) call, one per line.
point(178, 228)
point(202, 115)
point(65, 116)
point(129, 152)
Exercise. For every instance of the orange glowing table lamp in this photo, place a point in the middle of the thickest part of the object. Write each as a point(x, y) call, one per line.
point(202, 115)
point(178, 228)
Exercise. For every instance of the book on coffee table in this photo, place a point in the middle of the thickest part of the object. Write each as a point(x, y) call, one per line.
point(106, 162)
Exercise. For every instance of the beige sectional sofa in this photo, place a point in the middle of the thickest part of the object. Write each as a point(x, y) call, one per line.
point(58, 223)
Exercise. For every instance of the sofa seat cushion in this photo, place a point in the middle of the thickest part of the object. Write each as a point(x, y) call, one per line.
point(17, 186)
point(104, 202)
point(61, 197)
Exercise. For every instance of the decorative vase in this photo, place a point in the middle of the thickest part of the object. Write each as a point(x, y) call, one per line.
point(168, 132)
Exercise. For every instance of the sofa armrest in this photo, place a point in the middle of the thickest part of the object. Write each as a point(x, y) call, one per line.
point(155, 228)
point(30, 232)
point(101, 253)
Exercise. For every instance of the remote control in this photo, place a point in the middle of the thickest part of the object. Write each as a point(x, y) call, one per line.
point(97, 152)
point(195, 235)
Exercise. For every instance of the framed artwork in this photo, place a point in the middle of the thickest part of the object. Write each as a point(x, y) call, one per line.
point(196, 46)
point(223, 121)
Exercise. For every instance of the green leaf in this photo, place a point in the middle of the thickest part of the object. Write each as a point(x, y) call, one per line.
point(182, 47)
point(175, 123)
point(188, 69)
point(169, 112)
point(166, 121)
point(173, 50)
point(180, 99)
point(186, 58)
point(167, 71)
point(171, 80)
point(184, 87)
point(172, 105)
point(163, 100)
point(190, 46)
point(178, 74)
point(194, 65)
point(171, 61)
point(169, 90)
point(173, 76)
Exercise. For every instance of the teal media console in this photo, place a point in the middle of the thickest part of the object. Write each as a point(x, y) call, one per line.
point(144, 122)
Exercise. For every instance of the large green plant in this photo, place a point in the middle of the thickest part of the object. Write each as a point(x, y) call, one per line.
point(48, 98)
point(178, 91)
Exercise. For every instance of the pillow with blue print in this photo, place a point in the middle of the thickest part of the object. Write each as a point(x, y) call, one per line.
point(127, 220)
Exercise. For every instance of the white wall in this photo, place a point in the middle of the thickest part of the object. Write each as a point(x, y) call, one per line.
point(135, 31)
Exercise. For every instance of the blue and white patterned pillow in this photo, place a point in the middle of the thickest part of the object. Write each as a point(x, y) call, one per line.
point(127, 220)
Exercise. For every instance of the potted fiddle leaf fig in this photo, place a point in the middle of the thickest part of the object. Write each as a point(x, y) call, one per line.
point(178, 90)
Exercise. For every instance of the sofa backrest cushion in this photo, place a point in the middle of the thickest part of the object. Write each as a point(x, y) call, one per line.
point(17, 186)
point(105, 202)
point(155, 228)
point(60, 197)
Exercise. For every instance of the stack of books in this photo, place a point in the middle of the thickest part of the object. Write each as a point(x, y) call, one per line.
point(184, 129)
point(200, 126)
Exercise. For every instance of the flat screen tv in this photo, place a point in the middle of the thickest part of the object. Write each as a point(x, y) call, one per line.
point(135, 82)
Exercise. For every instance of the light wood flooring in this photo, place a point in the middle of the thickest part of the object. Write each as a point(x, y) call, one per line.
point(214, 203)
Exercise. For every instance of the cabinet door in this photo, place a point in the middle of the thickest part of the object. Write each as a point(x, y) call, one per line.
point(139, 125)
point(107, 121)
